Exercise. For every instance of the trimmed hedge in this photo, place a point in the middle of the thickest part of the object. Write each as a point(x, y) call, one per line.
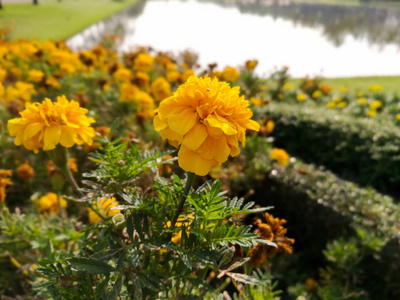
point(366, 151)
point(320, 208)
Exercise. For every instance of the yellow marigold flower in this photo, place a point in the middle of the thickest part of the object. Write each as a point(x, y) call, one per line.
point(3, 74)
point(99, 131)
point(122, 75)
point(104, 206)
point(182, 221)
point(337, 99)
point(251, 64)
point(301, 97)
point(342, 104)
point(331, 104)
point(143, 62)
point(67, 68)
point(287, 87)
point(35, 76)
point(374, 105)
point(142, 79)
point(185, 75)
point(270, 126)
point(128, 92)
point(25, 171)
point(362, 101)
point(213, 74)
point(4, 182)
point(230, 74)
point(47, 124)
point(375, 88)
point(49, 204)
point(256, 101)
point(398, 117)
point(21, 90)
point(161, 89)
point(208, 119)
point(173, 76)
point(316, 94)
point(371, 113)
point(53, 82)
point(359, 95)
point(280, 156)
point(343, 89)
point(145, 106)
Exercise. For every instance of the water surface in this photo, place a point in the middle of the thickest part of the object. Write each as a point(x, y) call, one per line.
point(312, 39)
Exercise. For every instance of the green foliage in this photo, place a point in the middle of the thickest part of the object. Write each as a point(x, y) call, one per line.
point(138, 254)
point(363, 150)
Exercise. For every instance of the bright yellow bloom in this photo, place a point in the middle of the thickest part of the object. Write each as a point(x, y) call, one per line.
point(53, 82)
point(145, 106)
point(280, 156)
point(359, 95)
point(46, 124)
point(287, 87)
point(256, 101)
point(21, 90)
point(343, 89)
point(35, 76)
point(374, 105)
point(67, 68)
point(128, 92)
point(208, 119)
point(375, 88)
point(160, 89)
point(342, 104)
point(316, 94)
point(3, 74)
point(230, 74)
point(104, 206)
point(337, 99)
point(331, 104)
point(371, 113)
point(398, 117)
point(301, 97)
point(122, 75)
point(362, 101)
point(143, 62)
point(4, 181)
point(49, 204)
point(173, 76)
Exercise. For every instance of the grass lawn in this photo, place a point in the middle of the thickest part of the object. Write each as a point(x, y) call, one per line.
point(53, 19)
point(355, 84)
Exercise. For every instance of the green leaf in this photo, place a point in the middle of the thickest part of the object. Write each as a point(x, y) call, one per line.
point(90, 265)
point(129, 227)
point(243, 278)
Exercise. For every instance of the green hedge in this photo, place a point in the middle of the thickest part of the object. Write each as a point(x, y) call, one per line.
point(366, 151)
point(321, 208)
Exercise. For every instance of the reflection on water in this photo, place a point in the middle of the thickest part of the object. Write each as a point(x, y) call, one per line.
point(328, 40)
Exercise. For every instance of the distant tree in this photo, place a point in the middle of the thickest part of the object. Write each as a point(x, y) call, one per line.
point(1, 5)
point(35, 2)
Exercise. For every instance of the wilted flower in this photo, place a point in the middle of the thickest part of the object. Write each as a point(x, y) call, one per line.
point(311, 285)
point(47, 124)
point(143, 62)
point(161, 89)
point(208, 119)
point(272, 231)
point(230, 74)
point(49, 204)
point(4, 182)
point(104, 207)
point(25, 171)
point(280, 156)
point(251, 64)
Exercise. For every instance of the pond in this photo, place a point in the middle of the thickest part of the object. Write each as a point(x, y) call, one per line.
point(331, 40)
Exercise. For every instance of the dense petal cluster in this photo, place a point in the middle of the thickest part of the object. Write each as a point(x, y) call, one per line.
point(47, 124)
point(208, 119)
point(49, 204)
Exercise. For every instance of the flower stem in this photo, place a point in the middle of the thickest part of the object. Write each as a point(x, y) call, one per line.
point(188, 185)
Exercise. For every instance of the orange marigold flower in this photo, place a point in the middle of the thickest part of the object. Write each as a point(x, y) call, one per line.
point(272, 231)
point(143, 62)
point(280, 156)
point(49, 204)
point(230, 74)
point(25, 171)
point(35, 76)
point(208, 119)
point(4, 182)
point(161, 89)
point(104, 206)
point(251, 64)
point(47, 124)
